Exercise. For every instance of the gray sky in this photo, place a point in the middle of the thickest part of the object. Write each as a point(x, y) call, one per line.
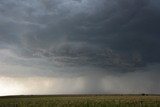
point(79, 46)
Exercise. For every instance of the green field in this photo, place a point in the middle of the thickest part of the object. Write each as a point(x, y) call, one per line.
point(81, 101)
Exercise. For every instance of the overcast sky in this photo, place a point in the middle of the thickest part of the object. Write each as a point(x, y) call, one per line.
point(79, 46)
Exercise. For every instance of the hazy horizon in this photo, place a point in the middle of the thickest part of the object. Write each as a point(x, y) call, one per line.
point(79, 47)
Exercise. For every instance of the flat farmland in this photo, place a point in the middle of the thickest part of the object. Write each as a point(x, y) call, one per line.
point(81, 101)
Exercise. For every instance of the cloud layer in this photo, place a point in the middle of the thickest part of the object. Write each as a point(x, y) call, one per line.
point(94, 42)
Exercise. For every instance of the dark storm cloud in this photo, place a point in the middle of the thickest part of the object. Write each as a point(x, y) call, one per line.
point(126, 27)
point(107, 33)
point(101, 33)
point(103, 46)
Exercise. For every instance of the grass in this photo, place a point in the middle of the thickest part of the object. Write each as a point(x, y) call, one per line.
point(81, 101)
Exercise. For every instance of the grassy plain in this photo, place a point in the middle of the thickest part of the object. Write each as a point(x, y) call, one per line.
point(81, 101)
